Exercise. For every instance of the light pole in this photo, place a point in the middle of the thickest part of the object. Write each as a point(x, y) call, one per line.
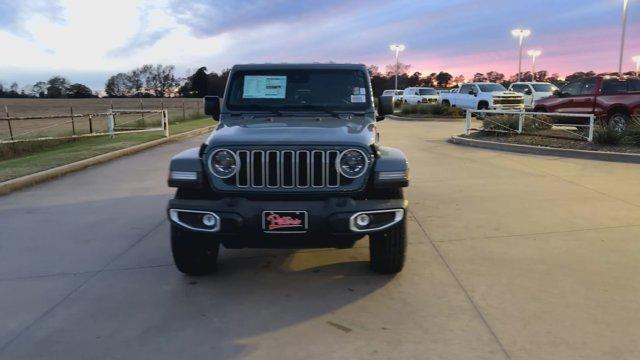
point(520, 34)
point(397, 48)
point(637, 60)
point(534, 54)
point(625, 5)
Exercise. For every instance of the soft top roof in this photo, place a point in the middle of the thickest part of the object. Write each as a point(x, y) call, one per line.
point(299, 66)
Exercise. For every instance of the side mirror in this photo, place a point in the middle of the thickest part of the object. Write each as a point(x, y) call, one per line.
point(385, 107)
point(557, 93)
point(212, 106)
point(528, 92)
point(471, 92)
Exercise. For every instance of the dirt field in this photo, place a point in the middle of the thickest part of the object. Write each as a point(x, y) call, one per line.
point(63, 127)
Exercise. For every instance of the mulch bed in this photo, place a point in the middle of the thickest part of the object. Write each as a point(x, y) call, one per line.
point(551, 138)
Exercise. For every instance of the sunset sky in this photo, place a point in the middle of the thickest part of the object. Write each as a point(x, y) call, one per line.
point(87, 41)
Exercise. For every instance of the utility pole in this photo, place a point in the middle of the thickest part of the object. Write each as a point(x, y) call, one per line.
point(520, 34)
point(397, 48)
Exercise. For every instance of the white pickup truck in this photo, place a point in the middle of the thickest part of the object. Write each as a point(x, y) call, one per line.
point(483, 96)
point(533, 91)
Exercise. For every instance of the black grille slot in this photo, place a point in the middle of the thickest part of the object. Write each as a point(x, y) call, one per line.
point(257, 169)
point(288, 173)
point(303, 169)
point(333, 178)
point(242, 178)
point(317, 168)
point(273, 177)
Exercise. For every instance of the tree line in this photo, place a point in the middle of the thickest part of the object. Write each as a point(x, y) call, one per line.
point(54, 88)
point(161, 81)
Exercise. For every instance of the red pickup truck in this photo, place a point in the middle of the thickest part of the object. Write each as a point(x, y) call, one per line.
point(612, 99)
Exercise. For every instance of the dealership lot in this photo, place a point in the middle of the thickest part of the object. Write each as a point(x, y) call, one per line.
point(510, 256)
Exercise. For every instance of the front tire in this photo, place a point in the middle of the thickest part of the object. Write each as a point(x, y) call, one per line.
point(194, 253)
point(387, 249)
point(482, 106)
point(618, 122)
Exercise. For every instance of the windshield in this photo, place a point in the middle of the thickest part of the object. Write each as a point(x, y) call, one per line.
point(400, 92)
point(544, 87)
point(491, 87)
point(427, 91)
point(299, 89)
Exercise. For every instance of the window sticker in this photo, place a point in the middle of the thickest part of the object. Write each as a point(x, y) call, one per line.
point(359, 91)
point(357, 98)
point(264, 87)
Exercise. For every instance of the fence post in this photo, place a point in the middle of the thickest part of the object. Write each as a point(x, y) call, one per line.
point(467, 123)
point(520, 122)
point(591, 124)
point(165, 122)
point(113, 117)
point(142, 108)
point(90, 124)
point(73, 122)
point(183, 114)
point(6, 112)
point(110, 123)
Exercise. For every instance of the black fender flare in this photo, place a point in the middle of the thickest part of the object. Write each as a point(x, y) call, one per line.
point(389, 166)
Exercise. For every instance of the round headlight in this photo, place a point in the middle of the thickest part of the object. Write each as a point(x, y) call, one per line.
point(352, 163)
point(223, 163)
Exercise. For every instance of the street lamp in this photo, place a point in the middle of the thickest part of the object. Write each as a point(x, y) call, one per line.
point(534, 54)
point(520, 34)
point(637, 60)
point(625, 5)
point(397, 48)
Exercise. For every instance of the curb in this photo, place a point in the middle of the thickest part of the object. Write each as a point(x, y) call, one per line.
point(434, 118)
point(548, 151)
point(32, 179)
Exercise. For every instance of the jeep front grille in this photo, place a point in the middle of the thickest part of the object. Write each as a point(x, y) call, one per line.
point(288, 169)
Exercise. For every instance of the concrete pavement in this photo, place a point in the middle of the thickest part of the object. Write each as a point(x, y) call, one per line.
point(510, 256)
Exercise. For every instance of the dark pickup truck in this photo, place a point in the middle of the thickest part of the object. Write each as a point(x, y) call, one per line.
point(613, 100)
point(294, 162)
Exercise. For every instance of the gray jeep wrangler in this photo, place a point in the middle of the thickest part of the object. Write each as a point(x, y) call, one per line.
point(294, 162)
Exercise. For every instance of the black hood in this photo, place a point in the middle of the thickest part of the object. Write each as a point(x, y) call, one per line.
point(285, 130)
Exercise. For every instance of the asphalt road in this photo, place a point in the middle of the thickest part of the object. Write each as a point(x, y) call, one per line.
point(510, 256)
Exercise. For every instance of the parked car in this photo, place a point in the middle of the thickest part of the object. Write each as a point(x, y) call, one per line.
point(420, 95)
point(483, 96)
point(294, 162)
point(533, 91)
point(613, 99)
point(397, 95)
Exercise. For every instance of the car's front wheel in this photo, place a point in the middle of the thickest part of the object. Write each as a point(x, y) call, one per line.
point(618, 122)
point(387, 249)
point(194, 253)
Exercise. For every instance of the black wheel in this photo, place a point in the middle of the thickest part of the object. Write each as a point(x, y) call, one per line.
point(446, 103)
point(482, 106)
point(387, 249)
point(194, 253)
point(618, 122)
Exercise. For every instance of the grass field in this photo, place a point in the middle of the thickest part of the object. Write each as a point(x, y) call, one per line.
point(84, 148)
point(23, 129)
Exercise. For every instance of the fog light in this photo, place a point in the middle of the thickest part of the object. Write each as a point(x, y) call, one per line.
point(209, 220)
point(363, 220)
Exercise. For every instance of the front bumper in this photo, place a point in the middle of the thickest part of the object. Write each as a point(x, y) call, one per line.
point(517, 107)
point(329, 221)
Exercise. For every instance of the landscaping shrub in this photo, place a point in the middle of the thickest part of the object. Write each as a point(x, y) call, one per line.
point(431, 109)
point(604, 135)
point(502, 123)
